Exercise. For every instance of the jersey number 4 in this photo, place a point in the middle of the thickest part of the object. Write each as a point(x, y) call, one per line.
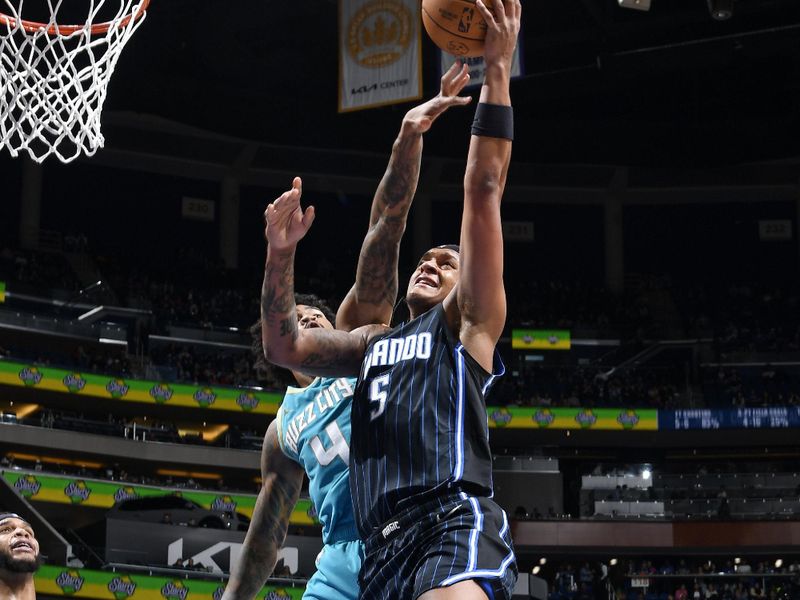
point(338, 447)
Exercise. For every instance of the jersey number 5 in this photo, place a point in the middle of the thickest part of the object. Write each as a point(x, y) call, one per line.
point(338, 447)
point(377, 395)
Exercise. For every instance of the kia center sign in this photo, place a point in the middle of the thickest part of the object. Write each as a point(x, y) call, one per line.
point(136, 542)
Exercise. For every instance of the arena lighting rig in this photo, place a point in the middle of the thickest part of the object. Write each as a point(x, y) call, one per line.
point(720, 10)
point(635, 4)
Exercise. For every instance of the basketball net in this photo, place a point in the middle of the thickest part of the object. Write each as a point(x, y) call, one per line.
point(53, 78)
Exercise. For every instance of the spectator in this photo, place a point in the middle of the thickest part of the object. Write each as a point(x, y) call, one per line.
point(19, 557)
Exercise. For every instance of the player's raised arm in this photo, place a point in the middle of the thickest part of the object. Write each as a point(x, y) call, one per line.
point(374, 293)
point(282, 479)
point(480, 293)
point(311, 351)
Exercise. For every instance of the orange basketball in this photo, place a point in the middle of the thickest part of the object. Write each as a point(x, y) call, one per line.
point(456, 26)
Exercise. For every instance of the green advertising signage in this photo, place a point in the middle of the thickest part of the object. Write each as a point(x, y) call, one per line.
point(540, 339)
point(109, 585)
point(61, 489)
point(133, 390)
point(603, 419)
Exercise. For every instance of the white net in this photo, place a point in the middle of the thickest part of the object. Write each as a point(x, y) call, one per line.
point(54, 77)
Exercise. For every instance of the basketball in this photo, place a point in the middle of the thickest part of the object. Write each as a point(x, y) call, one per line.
point(456, 26)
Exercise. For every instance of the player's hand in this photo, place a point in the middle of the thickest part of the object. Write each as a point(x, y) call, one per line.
point(286, 222)
point(502, 28)
point(420, 118)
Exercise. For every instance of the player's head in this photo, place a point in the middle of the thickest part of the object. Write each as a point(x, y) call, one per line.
point(19, 550)
point(312, 311)
point(436, 274)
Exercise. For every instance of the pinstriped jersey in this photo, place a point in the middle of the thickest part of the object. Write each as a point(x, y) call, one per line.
point(419, 423)
point(314, 431)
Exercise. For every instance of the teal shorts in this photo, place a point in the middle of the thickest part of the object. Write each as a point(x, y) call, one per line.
point(337, 572)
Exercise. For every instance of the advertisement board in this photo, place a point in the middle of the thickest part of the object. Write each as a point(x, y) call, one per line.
point(137, 542)
point(97, 493)
point(540, 339)
point(109, 585)
point(772, 417)
point(603, 419)
point(133, 390)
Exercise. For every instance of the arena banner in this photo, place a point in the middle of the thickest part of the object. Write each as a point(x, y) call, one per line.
point(380, 58)
point(62, 489)
point(595, 419)
point(540, 339)
point(111, 585)
point(477, 67)
point(132, 390)
point(771, 417)
point(2, 291)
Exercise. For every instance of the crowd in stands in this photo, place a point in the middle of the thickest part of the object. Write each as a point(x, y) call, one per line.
point(758, 385)
point(189, 364)
point(116, 473)
point(111, 362)
point(676, 579)
point(152, 430)
point(40, 271)
point(577, 306)
point(720, 490)
point(759, 320)
point(744, 318)
point(536, 384)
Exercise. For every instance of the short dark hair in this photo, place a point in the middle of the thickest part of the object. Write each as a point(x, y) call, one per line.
point(266, 371)
point(10, 515)
point(316, 302)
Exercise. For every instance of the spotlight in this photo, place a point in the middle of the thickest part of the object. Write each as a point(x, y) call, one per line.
point(536, 570)
point(542, 561)
point(737, 561)
point(779, 563)
point(646, 473)
point(721, 10)
point(612, 562)
point(635, 4)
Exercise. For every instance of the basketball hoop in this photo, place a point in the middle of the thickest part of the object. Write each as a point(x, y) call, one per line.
point(53, 77)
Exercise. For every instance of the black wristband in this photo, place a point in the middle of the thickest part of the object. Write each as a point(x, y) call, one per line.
point(494, 120)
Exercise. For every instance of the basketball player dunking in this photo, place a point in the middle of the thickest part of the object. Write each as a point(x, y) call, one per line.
point(420, 457)
point(311, 432)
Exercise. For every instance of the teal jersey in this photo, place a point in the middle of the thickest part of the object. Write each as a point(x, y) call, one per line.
point(314, 431)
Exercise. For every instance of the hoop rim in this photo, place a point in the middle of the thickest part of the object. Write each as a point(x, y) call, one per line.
point(34, 26)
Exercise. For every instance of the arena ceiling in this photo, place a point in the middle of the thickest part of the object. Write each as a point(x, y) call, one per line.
point(603, 84)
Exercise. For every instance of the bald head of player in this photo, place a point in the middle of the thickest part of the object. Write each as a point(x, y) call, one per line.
point(19, 558)
point(435, 276)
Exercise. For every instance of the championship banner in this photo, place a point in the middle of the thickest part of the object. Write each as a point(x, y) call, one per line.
point(116, 585)
point(2, 291)
point(476, 66)
point(380, 58)
point(595, 419)
point(540, 339)
point(61, 489)
point(131, 390)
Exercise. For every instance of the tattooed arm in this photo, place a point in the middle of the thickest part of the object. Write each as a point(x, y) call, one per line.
point(282, 480)
point(310, 351)
point(374, 293)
